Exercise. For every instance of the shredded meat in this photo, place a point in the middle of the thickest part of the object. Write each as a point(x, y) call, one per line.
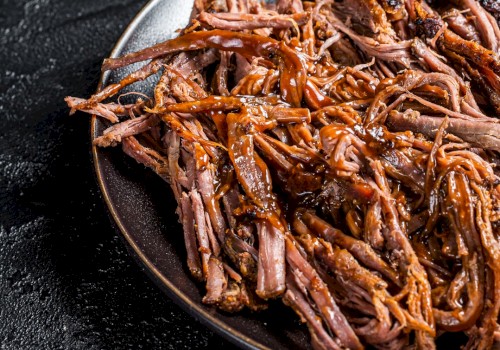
point(341, 156)
point(239, 21)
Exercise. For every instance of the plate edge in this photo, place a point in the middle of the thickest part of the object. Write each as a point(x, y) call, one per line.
point(173, 292)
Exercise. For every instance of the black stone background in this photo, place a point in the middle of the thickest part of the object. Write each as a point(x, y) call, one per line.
point(66, 279)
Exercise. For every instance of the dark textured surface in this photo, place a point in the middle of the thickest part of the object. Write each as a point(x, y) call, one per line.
point(66, 279)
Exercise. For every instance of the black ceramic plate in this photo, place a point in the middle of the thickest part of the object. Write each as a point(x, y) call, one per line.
point(143, 208)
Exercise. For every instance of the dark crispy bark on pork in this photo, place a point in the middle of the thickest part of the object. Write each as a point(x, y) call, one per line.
point(493, 7)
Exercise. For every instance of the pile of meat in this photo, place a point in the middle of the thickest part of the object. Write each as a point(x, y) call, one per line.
point(340, 155)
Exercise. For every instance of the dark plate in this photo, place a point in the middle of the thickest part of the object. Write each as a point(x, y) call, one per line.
point(143, 208)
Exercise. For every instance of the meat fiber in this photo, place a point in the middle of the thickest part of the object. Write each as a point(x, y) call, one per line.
point(338, 155)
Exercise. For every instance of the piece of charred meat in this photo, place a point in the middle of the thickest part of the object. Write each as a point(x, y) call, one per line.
point(340, 155)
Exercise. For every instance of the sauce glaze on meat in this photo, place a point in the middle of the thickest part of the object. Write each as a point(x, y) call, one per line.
point(339, 155)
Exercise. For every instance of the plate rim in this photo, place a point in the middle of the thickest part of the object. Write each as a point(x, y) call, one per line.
point(192, 308)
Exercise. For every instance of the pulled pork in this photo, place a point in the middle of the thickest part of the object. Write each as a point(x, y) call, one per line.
point(340, 155)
